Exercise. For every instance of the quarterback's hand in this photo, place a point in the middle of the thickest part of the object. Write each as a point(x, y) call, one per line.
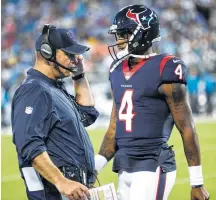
point(199, 194)
point(72, 190)
point(78, 65)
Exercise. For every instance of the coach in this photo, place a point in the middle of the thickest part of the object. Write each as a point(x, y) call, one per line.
point(55, 154)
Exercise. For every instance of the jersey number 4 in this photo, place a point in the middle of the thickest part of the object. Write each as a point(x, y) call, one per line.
point(126, 113)
point(178, 71)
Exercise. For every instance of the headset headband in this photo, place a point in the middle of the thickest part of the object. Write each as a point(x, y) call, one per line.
point(46, 49)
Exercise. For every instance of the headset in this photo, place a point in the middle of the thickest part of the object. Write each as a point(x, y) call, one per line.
point(46, 49)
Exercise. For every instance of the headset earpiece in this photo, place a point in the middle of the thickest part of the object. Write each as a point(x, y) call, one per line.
point(46, 49)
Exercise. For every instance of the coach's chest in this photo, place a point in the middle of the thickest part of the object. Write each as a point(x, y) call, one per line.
point(64, 107)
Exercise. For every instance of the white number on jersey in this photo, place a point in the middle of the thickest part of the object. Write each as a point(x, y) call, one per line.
point(178, 71)
point(127, 103)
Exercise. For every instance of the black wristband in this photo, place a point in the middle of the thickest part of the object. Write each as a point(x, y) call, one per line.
point(78, 76)
point(197, 186)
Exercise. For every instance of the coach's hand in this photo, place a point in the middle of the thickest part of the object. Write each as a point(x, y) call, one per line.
point(72, 190)
point(78, 65)
point(199, 194)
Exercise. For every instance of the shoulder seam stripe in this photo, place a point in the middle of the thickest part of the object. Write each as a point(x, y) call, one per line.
point(163, 63)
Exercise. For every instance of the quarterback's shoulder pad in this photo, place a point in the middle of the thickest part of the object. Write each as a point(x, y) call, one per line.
point(173, 70)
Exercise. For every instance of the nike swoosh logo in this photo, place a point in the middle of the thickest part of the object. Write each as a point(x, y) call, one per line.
point(175, 61)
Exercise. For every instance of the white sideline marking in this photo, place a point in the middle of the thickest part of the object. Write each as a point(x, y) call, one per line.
point(10, 178)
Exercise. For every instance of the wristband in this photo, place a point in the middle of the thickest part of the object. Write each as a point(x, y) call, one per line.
point(197, 186)
point(100, 162)
point(78, 76)
point(196, 177)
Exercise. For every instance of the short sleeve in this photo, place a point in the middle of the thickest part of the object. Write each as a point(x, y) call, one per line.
point(30, 121)
point(173, 70)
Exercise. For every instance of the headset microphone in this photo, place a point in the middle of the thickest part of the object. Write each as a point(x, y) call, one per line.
point(71, 69)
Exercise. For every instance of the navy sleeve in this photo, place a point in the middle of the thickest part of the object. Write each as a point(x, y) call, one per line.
point(173, 70)
point(30, 122)
point(88, 114)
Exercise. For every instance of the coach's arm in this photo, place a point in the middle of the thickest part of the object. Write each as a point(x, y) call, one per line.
point(176, 98)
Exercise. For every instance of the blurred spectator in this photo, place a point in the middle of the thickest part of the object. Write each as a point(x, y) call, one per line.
point(188, 30)
point(210, 87)
point(192, 85)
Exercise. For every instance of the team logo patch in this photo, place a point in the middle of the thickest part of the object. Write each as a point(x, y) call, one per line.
point(127, 75)
point(28, 110)
point(140, 16)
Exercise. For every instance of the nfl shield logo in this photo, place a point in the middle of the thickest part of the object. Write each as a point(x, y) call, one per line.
point(28, 110)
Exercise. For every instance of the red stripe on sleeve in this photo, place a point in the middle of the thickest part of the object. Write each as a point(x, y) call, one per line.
point(163, 62)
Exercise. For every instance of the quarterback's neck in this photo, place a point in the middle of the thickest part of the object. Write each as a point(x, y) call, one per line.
point(133, 61)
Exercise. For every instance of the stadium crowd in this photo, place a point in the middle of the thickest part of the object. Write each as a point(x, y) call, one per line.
point(188, 30)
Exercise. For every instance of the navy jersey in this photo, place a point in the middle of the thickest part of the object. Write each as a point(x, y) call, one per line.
point(144, 120)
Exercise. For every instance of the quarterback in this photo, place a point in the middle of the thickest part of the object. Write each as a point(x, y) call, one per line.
point(149, 97)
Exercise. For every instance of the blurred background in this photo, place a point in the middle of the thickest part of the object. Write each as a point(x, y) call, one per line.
point(188, 30)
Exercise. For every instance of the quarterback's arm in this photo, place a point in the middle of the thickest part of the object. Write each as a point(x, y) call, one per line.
point(176, 99)
point(108, 146)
